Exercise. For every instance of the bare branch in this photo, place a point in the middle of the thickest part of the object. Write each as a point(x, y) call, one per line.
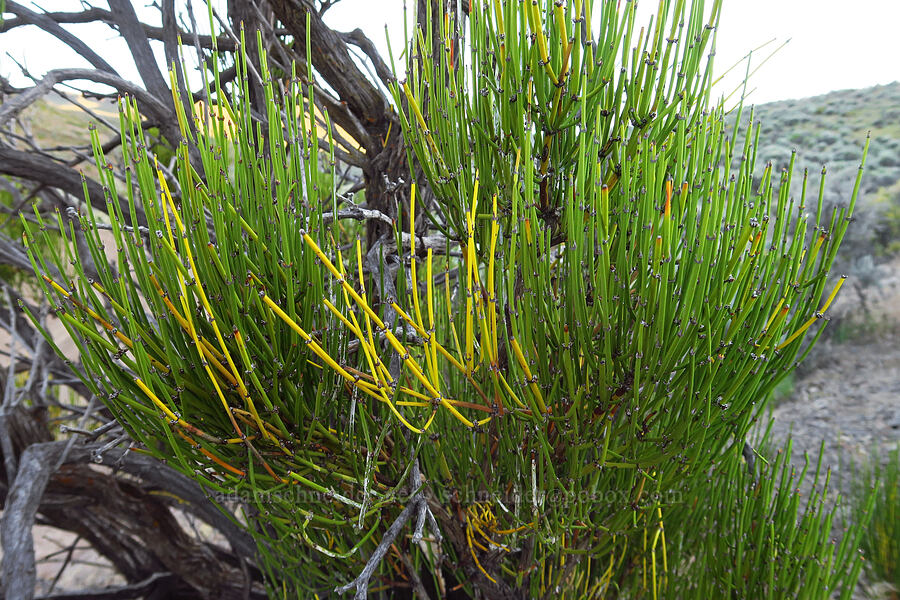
point(13, 254)
point(333, 61)
point(125, 592)
point(36, 467)
point(361, 41)
point(89, 15)
point(38, 168)
point(357, 213)
point(12, 107)
point(155, 108)
point(18, 573)
point(52, 27)
point(131, 29)
point(194, 499)
point(94, 14)
point(361, 583)
point(341, 115)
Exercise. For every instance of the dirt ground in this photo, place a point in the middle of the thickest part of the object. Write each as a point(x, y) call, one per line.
point(849, 392)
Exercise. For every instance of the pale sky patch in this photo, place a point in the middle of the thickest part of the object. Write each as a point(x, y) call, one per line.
point(834, 44)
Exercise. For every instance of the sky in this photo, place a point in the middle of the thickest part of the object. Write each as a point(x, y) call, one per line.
point(834, 44)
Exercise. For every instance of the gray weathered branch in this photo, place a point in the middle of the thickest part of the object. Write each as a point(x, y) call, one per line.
point(125, 592)
point(333, 61)
point(40, 168)
point(36, 467)
point(49, 25)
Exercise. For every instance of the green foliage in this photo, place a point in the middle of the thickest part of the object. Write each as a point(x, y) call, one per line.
point(162, 150)
point(880, 541)
point(784, 389)
point(625, 288)
point(778, 542)
point(11, 227)
point(887, 233)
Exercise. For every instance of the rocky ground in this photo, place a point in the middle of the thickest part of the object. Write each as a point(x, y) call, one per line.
point(853, 405)
point(848, 392)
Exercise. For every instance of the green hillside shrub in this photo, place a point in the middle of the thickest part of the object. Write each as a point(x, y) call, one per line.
point(540, 385)
point(880, 540)
point(792, 555)
point(887, 230)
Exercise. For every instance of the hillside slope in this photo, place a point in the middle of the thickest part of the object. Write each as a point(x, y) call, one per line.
point(830, 131)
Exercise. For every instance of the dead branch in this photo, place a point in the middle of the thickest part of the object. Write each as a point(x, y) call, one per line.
point(113, 512)
point(361, 41)
point(34, 167)
point(52, 27)
point(95, 14)
point(124, 592)
point(333, 61)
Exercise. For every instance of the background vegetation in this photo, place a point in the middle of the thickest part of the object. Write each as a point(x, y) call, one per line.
point(823, 130)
